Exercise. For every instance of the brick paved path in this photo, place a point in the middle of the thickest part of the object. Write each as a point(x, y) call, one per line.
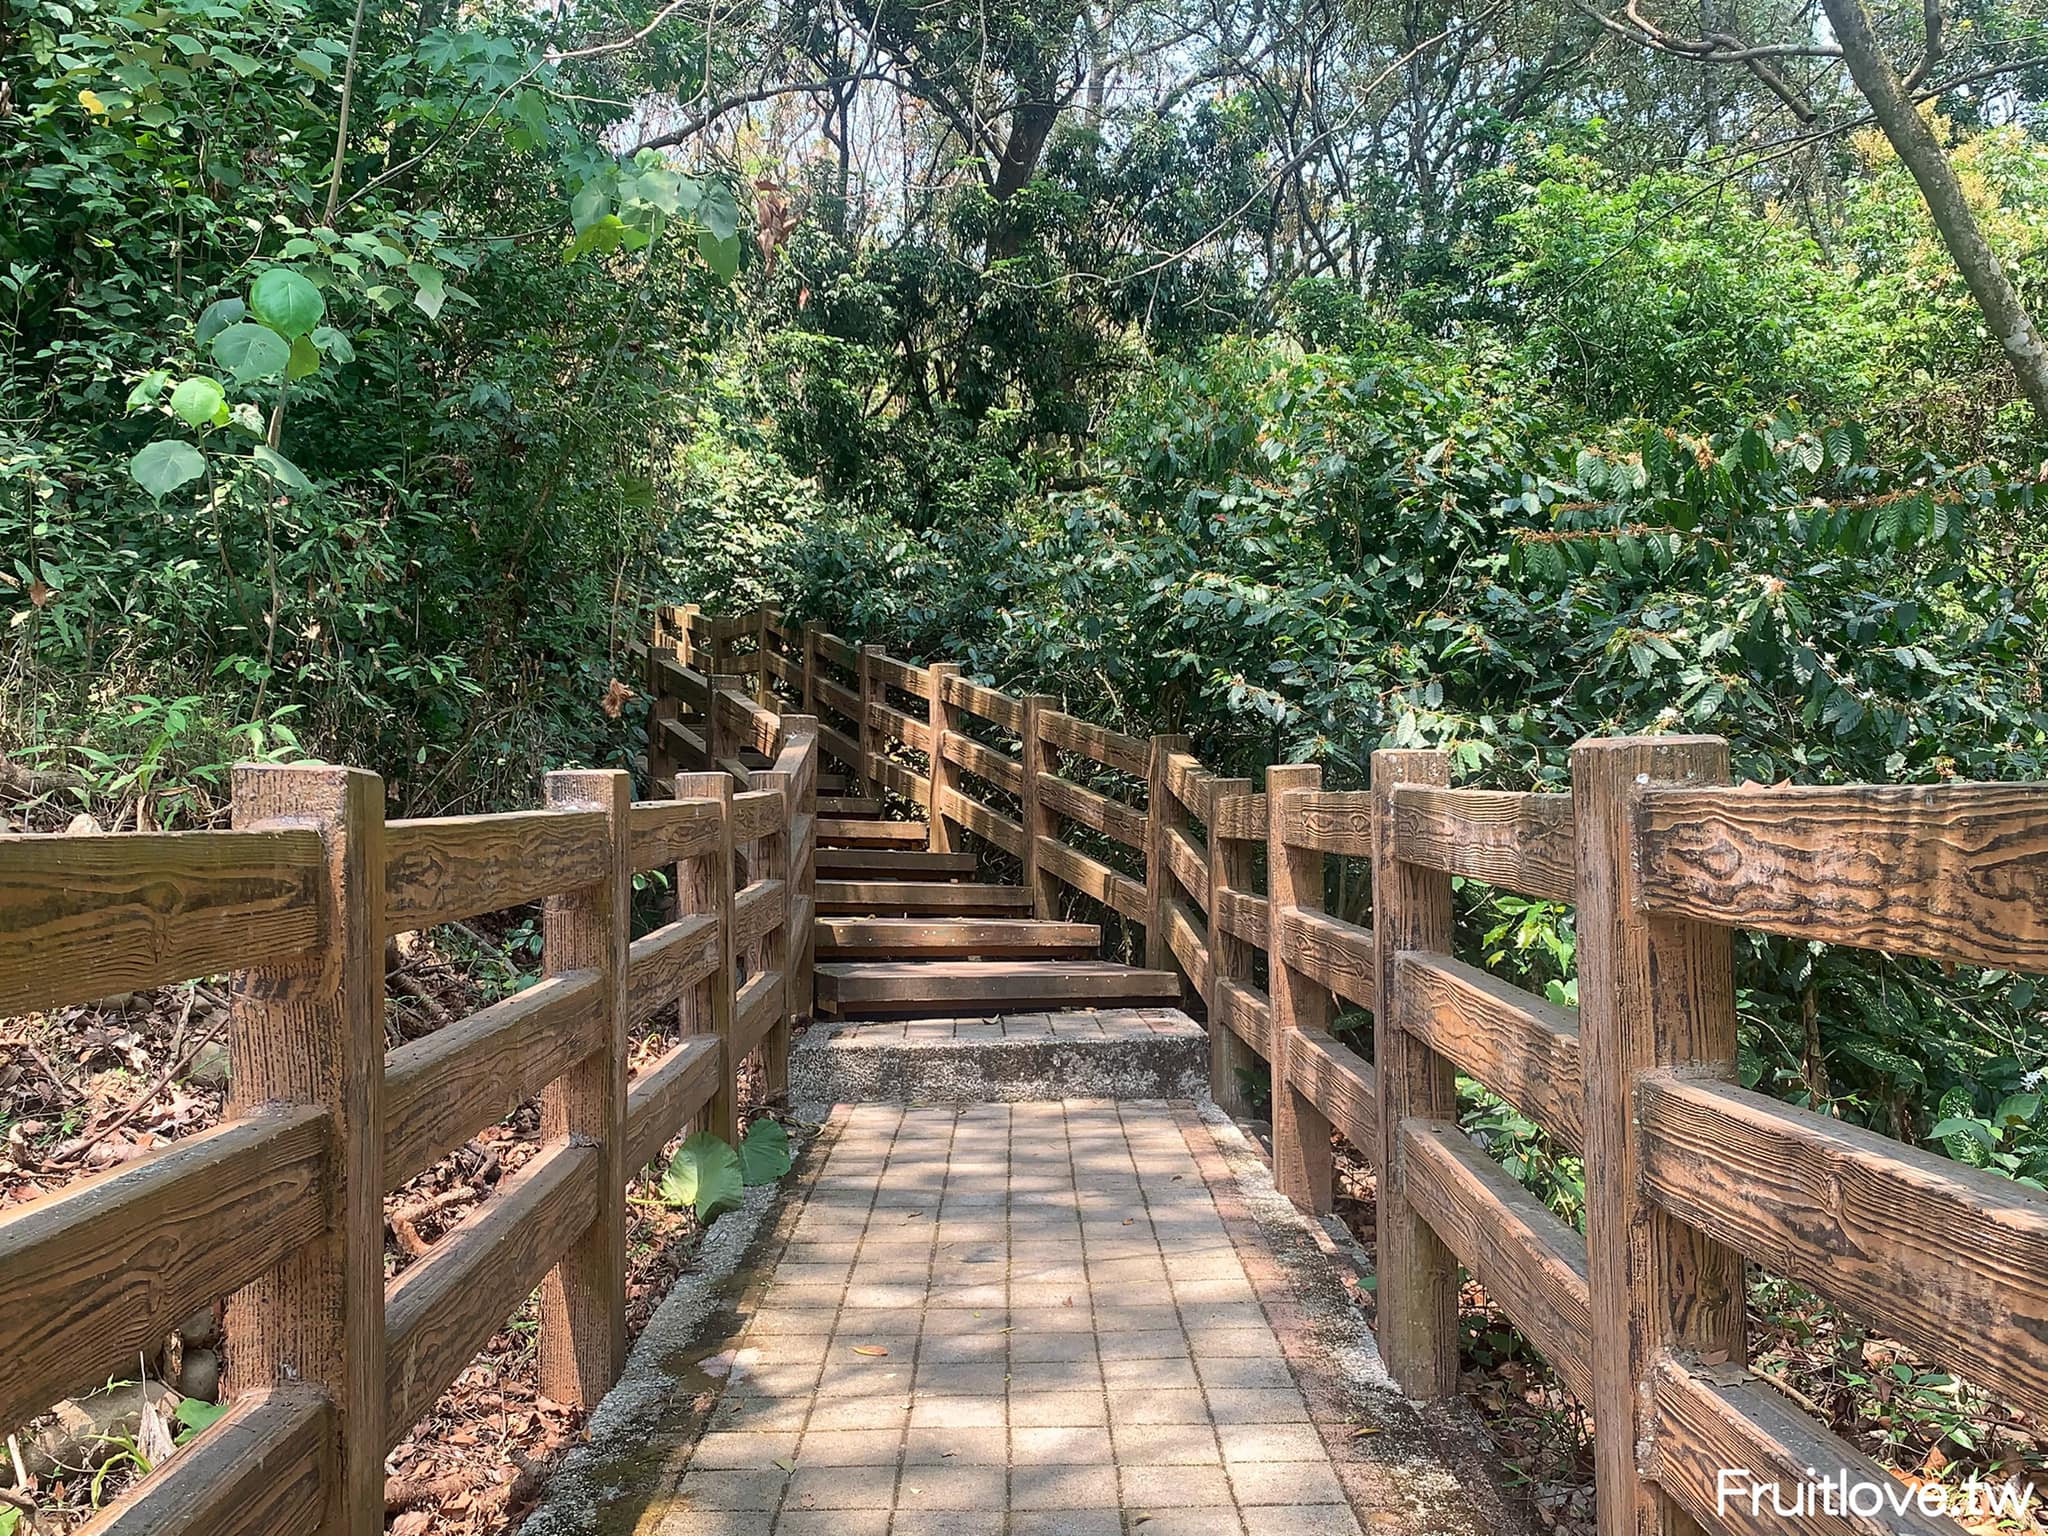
point(1021, 1320)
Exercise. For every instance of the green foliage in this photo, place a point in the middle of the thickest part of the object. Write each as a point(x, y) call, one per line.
point(704, 1173)
point(764, 1151)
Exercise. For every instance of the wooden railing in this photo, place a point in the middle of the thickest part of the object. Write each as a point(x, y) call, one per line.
point(1689, 1177)
point(281, 1206)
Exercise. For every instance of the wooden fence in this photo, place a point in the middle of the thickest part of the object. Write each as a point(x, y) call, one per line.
point(1689, 1177)
point(281, 1206)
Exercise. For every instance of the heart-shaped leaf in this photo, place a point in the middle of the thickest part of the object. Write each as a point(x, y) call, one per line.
point(764, 1151)
point(198, 401)
point(705, 1173)
point(165, 465)
point(305, 358)
point(720, 255)
point(251, 352)
point(217, 317)
point(280, 468)
point(147, 388)
point(286, 302)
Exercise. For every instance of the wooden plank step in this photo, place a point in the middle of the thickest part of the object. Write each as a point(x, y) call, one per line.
point(832, 784)
point(990, 938)
point(848, 832)
point(914, 898)
point(902, 863)
point(960, 988)
point(848, 805)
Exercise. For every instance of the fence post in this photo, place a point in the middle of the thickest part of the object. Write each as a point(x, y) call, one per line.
point(764, 679)
point(1036, 814)
point(718, 742)
point(583, 1300)
point(1411, 909)
point(803, 865)
point(1653, 992)
point(314, 1034)
point(870, 690)
point(1230, 958)
point(1161, 813)
point(942, 717)
point(660, 707)
point(807, 695)
point(779, 944)
point(1302, 1168)
point(705, 885)
point(682, 621)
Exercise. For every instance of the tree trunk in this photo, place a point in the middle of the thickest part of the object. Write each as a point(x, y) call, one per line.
point(1916, 145)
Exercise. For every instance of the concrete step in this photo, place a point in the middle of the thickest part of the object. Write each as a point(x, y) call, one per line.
point(988, 938)
point(971, 988)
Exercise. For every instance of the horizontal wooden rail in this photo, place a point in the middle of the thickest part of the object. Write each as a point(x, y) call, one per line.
point(1865, 1220)
point(665, 832)
point(1339, 1082)
point(265, 1468)
point(753, 727)
point(1523, 1048)
point(1188, 781)
point(668, 1093)
point(1952, 871)
point(896, 725)
point(1329, 821)
point(1092, 878)
point(755, 1010)
point(758, 911)
point(1241, 818)
point(900, 674)
point(1187, 864)
point(1113, 749)
point(835, 650)
point(662, 965)
point(447, 868)
point(445, 1308)
point(1003, 709)
point(900, 780)
point(757, 814)
point(442, 1088)
point(986, 822)
point(1329, 951)
point(88, 916)
point(1531, 1264)
point(1185, 938)
point(983, 761)
point(1521, 842)
point(1247, 1013)
point(110, 1265)
point(1242, 916)
point(1707, 1419)
point(843, 702)
point(1095, 811)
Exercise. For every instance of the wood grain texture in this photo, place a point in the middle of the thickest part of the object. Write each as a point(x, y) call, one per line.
point(1653, 992)
point(984, 761)
point(88, 916)
point(1180, 924)
point(1333, 821)
point(904, 863)
point(981, 987)
point(743, 723)
point(994, 706)
point(110, 1265)
point(843, 702)
point(1411, 909)
point(441, 1089)
point(445, 1308)
point(1523, 1048)
point(1112, 749)
point(446, 868)
point(892, 724)
point(757, 911)
point(1707, 1417)
point(668, 831)
point(663, 965)
point(1162, 816)
point(583, 1300)
point(924, 938)
point(840, 747)
point(1951, 1260)
point(317, 1038)
point(1532, 1265)
point(1302, 1163)
point(942, 726)
point(759, 813)
point(1521, 842)
point(1242, 914)
point(662, 1099)
point(1092, 878)
point(985, 822)
point(834, 649)
point(1039, 823)
point(1330, 952)
point(902, 780)
point(1951, 871)
point(1231, 1061)
point(755, 1009)
point(1242, 817)
point(1188, 865)
point(841, 898)
point(1247, 1013)
point(892, 673)
point(768, 956)
point(266, 1468)
point(1097, 812)
point(704, 887)
point(1189, 782)
point(1339, 1082)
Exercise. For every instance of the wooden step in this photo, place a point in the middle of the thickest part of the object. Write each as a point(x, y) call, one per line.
point(832, 784)
point(988, 938)
point(902, 863)
point(849, 832)
point(848, 805)
point(961, 988)
point(917, 898)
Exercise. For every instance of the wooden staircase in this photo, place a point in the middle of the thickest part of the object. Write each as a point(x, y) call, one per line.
point(904, 931)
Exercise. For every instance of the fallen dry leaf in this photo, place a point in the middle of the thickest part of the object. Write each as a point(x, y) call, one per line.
point(869, 1349)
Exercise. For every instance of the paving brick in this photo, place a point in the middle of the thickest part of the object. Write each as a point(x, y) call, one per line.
point(832, 1522)
point(718, 1489)
point(947, 1522)
point(1181, 1445)
point(1258, 1407)
point(1174, 1487)
point(1054, 1486)
point(850, 1448)
point(1285, 1482)
point(704, 1522)
point(1269, 1442)
point(862, 1487)
point(756, 1450)
point(959, 1413)
point(1300, 1520)
point(1143, 1405)
point(1064, 1522)
point(983, 1447)
point(946, 1486)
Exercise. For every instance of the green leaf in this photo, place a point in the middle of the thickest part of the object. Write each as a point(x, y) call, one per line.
point(280, 468)
point(197, 1416)
point(333, 345)
point(588, 206)
point(721, 256)
point(718, 212)
point(217, 317)
point(165, 465)
point(433, 288)
point(198, 401)
point(251, 352)
point(147, 388)
point(764, 1151)
point(305, 359)
point(286, 302)
point(705, 1173)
